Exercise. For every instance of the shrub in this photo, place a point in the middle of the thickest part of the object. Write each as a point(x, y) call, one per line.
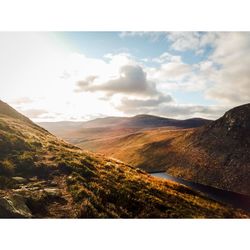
point(6, 168)
point(25, 164)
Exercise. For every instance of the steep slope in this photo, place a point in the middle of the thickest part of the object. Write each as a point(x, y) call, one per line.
point(225, 145)
point(42, 176)
point(7, 110)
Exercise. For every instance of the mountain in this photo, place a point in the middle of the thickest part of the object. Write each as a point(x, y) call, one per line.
point(43, 176)
point(144, 121)
point(94, 135)
point(217, 154)
point(138, 121)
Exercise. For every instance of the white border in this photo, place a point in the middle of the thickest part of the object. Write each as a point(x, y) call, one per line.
point(112, 15)
point(141, 234)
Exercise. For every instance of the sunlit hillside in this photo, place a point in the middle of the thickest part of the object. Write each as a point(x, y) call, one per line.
point(216, 154)
point(42, 176)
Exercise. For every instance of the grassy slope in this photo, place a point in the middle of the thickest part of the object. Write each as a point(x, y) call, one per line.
point(217, 154)
point(211, 160)
point(64, 181)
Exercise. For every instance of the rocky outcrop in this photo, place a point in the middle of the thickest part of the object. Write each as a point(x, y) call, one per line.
point(14, 206)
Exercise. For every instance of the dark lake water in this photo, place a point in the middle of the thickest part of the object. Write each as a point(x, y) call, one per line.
point(231, 198)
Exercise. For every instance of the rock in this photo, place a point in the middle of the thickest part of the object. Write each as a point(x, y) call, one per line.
point(14, 206)
point(19, 180)
point(52, 191)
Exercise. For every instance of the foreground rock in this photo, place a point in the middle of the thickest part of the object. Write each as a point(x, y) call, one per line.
point(14, 206)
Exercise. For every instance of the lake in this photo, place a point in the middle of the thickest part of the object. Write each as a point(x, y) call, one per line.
point(231, 198)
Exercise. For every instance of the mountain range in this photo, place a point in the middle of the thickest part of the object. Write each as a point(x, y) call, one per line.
point(215, 153)
point(42, 176)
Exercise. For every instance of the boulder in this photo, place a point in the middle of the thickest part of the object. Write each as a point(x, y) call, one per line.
point(14, 206)
point(52, 192)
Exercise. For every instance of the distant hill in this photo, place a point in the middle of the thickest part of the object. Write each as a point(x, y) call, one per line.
point(95, 134)
point(42, 176)
point(144, 121)
point(138, 121)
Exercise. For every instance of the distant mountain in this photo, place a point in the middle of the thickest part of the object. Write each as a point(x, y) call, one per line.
point(42, 176)
point(144, 121)
point(138, 121)
point(114, 127)
point(149, 121)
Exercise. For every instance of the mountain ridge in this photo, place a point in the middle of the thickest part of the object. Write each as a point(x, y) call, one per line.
point(140, 120)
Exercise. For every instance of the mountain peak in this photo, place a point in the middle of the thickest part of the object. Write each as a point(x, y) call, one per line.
point(235, 119)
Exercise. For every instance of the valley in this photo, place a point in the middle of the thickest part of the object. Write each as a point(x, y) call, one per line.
point(42, 176)
point(215, 153)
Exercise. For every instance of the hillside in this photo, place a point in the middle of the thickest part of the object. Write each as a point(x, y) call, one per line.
point(42, 176)
point(95, 134)
point(217, 154)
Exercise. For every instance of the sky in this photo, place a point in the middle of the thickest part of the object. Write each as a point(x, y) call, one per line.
point(78, 76)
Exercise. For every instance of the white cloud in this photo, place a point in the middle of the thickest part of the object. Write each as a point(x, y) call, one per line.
point(152, 35)
point(192, 41)
point(131, 80)
point(171, 109)
point(34, 113)
point(231, 80)
point(167, 57)
point(135, 106)
point(173, 71)
point(182, 41)
point(171, 68)
point(185, 111)
point(21, 100)
point(174, 74)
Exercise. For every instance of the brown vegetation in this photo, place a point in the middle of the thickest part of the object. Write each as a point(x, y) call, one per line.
point(42, 176)
point(217, 154)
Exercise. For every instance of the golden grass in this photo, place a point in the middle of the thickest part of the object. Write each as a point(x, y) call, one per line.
point(90, 185)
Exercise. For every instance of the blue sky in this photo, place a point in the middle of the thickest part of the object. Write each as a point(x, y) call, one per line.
point(97, 44)
point(52, 76)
